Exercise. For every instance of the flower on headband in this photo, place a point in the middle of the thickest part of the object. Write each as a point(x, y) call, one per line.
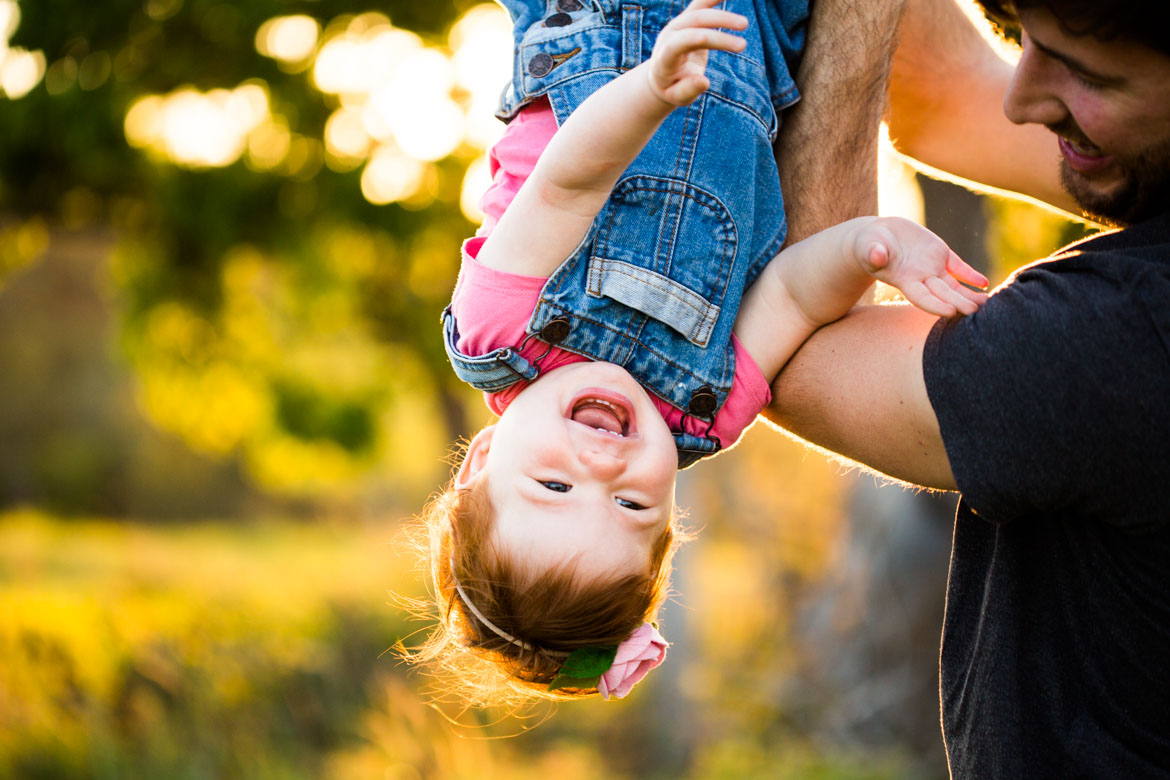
point(641, 652)
point(613, 670)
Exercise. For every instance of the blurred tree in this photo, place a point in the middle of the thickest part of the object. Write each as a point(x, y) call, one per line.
point(273, 313)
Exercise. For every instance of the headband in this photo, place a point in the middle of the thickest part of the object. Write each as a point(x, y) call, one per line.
point(482, 618)
point(611, 669)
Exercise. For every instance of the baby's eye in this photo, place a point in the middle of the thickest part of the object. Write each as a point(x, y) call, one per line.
point(556, 487)
point(622, 502)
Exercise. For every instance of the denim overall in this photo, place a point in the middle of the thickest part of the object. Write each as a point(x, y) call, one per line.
point(656, 285)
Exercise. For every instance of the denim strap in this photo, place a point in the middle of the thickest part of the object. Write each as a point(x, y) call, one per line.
point(631, 36)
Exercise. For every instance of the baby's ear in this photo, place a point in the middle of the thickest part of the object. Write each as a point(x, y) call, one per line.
point(475, 459)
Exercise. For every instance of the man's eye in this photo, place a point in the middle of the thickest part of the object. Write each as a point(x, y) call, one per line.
point(622, 502)
point(556, 487)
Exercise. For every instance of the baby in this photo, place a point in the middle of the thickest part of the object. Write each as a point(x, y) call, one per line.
point(625, 314)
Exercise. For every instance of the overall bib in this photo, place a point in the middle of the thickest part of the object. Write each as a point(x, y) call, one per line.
point(656, 284)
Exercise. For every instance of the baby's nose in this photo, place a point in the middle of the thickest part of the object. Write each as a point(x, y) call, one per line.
point(602, 465)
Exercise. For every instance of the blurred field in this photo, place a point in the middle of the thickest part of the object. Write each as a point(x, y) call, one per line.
point(257, 651)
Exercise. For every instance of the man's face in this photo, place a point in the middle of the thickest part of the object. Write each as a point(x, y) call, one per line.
point(1109, 104)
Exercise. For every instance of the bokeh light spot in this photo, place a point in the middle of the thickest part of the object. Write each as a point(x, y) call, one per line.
point(20, 71)
point(390, 176)
point(290, 39)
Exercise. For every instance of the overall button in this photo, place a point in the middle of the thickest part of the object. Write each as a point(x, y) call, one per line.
point(569, 5)
point(702, 402)
point(555, 330)
point(558, 20)
point(540, 65)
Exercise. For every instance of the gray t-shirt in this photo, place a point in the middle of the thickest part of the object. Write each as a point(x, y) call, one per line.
point(1054, 406)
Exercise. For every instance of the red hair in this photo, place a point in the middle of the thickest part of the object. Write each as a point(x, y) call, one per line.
point(554, 612)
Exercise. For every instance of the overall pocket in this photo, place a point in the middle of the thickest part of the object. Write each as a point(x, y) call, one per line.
point(665, 248)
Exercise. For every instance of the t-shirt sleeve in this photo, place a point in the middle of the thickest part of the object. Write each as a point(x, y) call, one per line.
point(749, 394)
point(491, 307)
point(1053, 395)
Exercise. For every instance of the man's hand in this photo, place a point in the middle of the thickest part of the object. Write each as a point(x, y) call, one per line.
point(678, 65)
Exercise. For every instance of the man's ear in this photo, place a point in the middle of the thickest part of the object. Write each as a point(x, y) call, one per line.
point(475, 459)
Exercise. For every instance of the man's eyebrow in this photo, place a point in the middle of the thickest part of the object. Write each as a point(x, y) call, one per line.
point(1073, 63)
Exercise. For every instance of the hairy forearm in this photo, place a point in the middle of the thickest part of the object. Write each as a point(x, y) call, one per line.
point(827, 146)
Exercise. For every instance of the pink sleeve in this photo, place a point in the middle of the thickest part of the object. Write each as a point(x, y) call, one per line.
point(513, 157)
point(491, 307)
point(750, 393)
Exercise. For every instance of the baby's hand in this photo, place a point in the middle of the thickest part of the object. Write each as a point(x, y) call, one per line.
point(906, 255)
point(678, 65)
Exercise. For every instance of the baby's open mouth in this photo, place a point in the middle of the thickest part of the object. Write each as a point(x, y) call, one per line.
point(602, 415)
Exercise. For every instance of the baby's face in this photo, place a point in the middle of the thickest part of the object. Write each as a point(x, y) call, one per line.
point(580, 466)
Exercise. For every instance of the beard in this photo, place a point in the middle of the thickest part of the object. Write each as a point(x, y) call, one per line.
point(1143, 192)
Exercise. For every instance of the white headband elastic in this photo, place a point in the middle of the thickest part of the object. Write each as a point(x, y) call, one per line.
point(492, 626)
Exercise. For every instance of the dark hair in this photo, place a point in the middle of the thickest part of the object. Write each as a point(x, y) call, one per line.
point(1140, 21)
point(554, 612)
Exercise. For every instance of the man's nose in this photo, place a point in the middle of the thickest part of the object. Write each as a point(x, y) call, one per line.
point(1030, 98)
point(602, 465)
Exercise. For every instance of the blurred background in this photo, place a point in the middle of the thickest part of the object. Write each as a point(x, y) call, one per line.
point(227, 230)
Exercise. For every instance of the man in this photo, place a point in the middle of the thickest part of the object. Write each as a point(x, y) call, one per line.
point(1048, 409)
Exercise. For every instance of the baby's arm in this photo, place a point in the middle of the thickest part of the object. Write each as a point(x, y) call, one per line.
point(576, 173)
point(816, 281)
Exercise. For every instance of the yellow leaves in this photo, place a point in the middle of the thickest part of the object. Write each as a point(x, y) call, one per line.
point(214, 409)
point(284, 464)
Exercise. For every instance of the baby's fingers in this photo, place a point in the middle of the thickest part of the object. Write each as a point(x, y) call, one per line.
point(919, 294)
point(702, 13)
point(959, 269)
point(684, 91)
point(949, 292)
point(682, 42)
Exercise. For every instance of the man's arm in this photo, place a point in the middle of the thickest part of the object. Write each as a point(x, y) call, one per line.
point(827, 146)
point(856, 388)
point(947, 88)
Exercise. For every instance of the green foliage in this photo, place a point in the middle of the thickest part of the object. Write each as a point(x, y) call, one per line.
point(65, 162)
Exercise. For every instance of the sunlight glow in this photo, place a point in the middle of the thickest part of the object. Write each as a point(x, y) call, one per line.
point(390, 176)
point(898, 192)
point(290, 39)
point(482, 44)
point(198, 129)
point(397, 101)
point(268, 144)
point(20, 71)
point(403, 102)
point(475, 183)
point(346, 140)
point(9, 19)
